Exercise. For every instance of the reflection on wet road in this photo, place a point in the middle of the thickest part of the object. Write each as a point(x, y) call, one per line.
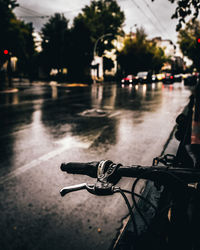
point(43, 125)
point(40, 119)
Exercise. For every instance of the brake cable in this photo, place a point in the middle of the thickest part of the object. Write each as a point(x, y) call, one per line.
point(130, 210)
point(106, 179)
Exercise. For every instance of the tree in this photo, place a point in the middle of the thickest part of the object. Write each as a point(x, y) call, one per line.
point(16, 36)
point(187, 39)
point(73, 48)
point(6, 14)
point(25, 48)
point(97, 19)
point(102, 17)
point(55, 39)
point(184, 9)
point(139, 54)
point(108, 63)
point(80, 51)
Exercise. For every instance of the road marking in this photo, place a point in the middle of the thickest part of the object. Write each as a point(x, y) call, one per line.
point(115, 114)
point(68, 143)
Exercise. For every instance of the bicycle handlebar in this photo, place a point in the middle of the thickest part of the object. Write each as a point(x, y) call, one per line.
point(158, 173)
point(89, 168)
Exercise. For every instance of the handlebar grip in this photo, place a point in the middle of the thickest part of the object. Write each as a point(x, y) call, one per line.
point(89, 168)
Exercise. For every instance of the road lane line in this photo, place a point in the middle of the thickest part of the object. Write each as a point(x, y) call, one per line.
point(42, 159)
point(30, 165)
point(115, 114)
point(66, 143)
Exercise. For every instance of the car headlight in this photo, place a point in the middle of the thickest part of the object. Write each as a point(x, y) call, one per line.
point(122, 80)
point(144, 77)
point(130, 80)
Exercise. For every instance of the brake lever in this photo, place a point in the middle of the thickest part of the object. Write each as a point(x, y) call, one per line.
point(66, 190)
point(104, 184)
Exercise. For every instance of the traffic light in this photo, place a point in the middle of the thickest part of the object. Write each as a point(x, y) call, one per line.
point(5, 52)
point(4, 56)
point(198, 43)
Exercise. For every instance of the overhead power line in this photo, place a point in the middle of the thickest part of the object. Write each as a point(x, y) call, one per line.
point(28, 13)
point(40, 14)
point(30, 10)
point(34, 16)
point(143, 12)
point(157, 19)
point(148, 6)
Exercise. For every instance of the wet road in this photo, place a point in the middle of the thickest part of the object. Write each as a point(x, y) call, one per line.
point(44, 125)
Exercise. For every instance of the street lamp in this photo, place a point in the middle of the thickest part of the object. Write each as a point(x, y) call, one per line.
point(95, 47)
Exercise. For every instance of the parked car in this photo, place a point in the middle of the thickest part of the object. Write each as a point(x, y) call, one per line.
point(129, 79)
point(144, 76)
point(168, 78)
point(160, 76)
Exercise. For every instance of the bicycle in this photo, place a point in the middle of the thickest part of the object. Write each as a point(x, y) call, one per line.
point(179, 198)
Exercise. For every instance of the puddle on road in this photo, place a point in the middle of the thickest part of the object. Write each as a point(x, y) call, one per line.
point(94, 113)
point(70, 142)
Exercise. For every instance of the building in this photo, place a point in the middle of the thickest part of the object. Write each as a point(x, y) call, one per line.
point(167, 45)
point(176, 62)
point(97, 64)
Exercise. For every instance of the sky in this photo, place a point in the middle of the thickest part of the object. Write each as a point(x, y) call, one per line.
point(154, 17)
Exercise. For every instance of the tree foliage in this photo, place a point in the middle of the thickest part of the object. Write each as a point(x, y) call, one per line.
point(55, 39)
point(99, 18)
point(108, 63)
point(73, 48)
point(6, 14)
point(102, 17)
point(184, 9)
point(80, 51)
point(187, 39)
point(16, 36)
point(139, 54)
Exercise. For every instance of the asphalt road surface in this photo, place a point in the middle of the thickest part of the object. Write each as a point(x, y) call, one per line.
point(43, 125)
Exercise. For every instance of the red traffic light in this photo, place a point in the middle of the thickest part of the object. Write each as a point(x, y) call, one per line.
point(198, 40)
point(5, 52)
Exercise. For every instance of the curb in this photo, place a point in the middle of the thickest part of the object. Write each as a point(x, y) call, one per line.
point(151, 193)
point(5, 91)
